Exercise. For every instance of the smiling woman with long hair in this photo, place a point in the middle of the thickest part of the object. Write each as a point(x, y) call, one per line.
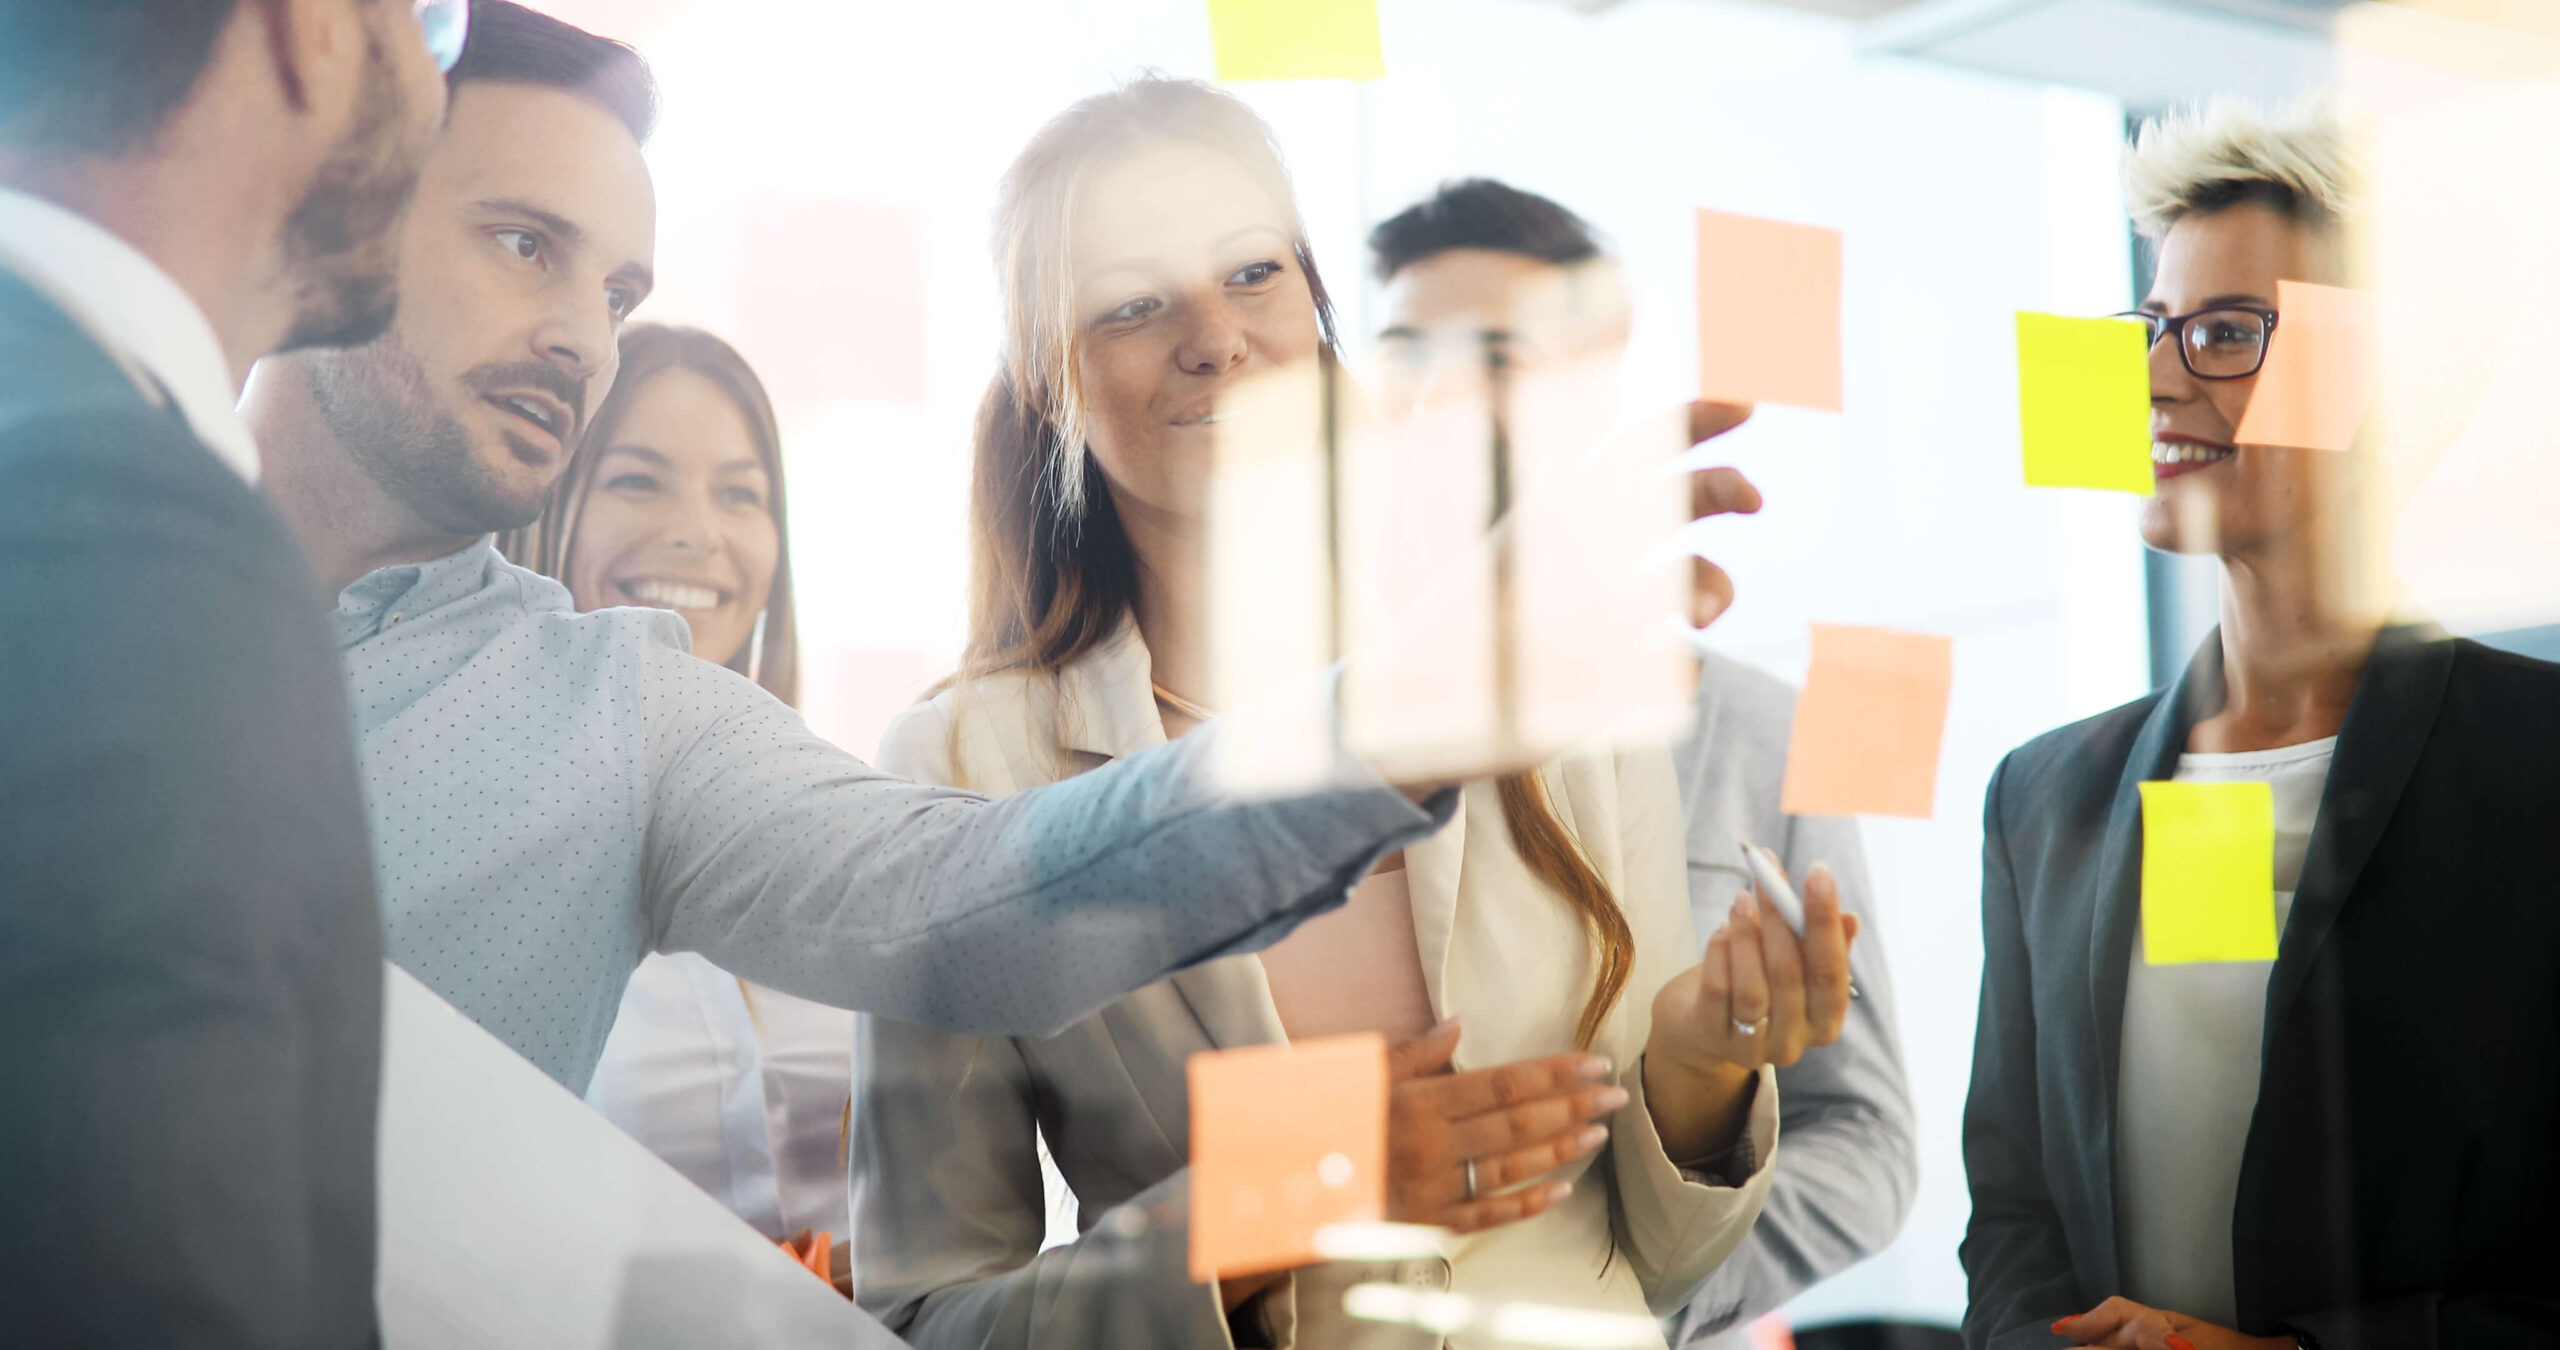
point(675, 500)
point(1580, 1100)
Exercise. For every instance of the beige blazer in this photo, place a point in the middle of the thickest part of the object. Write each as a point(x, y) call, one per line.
point(948, 1209)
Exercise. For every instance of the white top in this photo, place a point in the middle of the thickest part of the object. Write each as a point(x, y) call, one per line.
point(2188, 1083)
point(739, 1087)
point(1358, 968)
point(143, 317)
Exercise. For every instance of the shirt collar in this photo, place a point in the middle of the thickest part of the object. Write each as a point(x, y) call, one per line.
point(133, 309)
point(1108, 698)
point(388, 597)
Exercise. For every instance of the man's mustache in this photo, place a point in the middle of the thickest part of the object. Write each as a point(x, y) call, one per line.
point(541, 375)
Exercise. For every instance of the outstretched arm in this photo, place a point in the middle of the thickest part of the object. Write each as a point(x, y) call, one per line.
point(791, 862)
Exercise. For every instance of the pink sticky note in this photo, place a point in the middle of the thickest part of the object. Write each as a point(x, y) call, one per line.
point(1768, 311)
point(831, 301)
point(1869, 725)
point(1285, 1139)
point(2313, 390)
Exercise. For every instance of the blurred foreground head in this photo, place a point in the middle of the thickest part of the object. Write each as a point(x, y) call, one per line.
point(1150, 255)
point(2234, 200)
point(254, 148)
point(531, 241)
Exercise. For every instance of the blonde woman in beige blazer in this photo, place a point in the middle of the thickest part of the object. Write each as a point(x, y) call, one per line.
point(949, 1206)
point(1597, 1129)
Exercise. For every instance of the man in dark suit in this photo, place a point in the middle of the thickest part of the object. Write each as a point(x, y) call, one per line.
point(190, 951)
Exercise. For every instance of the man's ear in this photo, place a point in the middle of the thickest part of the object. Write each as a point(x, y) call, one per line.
point(316, 49)
point(281, 24)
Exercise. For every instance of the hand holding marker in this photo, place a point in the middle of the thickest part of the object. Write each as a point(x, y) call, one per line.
point(1771, 881)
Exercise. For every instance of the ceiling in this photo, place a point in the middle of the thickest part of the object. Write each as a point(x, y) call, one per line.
point(2148, 53)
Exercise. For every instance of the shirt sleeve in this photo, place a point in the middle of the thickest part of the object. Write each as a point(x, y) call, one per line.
point(795, 864)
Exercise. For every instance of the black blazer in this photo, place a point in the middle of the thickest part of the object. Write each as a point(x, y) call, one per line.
point(190, 951)
point(2398, 1185)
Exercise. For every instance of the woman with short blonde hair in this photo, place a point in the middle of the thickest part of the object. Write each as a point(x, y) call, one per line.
point(2343, 1138)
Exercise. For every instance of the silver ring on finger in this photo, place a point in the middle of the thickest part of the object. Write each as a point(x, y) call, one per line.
point(1742, 1028)
point(1470, 1165)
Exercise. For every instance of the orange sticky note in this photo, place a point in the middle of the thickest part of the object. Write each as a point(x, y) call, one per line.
point(1285, 1139)
point(1869, 725)
point(1296, 39)
point(2208, 872)
point(1768, 311)
point(2313, 390)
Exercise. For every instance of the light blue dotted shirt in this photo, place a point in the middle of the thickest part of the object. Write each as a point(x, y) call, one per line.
point(555, 794)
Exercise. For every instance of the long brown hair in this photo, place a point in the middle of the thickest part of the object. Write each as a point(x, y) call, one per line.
point(772, 656)
point(1052, 575)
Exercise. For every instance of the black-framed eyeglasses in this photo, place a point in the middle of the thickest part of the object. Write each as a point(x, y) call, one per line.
point(2227, 342)
point(447, 24)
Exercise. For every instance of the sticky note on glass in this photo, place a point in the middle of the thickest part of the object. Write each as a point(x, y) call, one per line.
point(1768, 311)
point(2208, 872)
point(1296, 39)
point(1870, 723)
point(2312, 392)
point(1285, 1140)
point(2084, 402)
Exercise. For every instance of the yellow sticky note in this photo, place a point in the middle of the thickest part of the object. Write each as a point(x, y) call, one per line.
point(2084, 402)
point(1296, 39)
point(2208, 872)
point(1768, 311)
point(2312, 392)
point(1286, 1139)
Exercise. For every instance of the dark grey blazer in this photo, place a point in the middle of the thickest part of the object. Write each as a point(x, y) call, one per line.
point(190, 952)
point(2400, 1186)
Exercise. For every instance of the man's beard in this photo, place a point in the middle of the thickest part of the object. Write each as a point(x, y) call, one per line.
point(341, 244)
point(378, 403)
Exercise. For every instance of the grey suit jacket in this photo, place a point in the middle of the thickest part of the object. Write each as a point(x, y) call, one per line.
point(190, 953)
point(1847, 1174)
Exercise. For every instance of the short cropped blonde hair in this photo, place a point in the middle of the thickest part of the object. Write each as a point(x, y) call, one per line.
point(2227, 152)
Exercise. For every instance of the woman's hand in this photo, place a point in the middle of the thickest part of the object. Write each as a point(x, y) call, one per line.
point(1514, 1121)
point(1761, 996)
point(2121, 1322)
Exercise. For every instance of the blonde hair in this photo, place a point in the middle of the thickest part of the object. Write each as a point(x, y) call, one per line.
point(1052, 573)
point(2231, 151)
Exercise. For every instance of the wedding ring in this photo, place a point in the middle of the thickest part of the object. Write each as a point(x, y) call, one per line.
point(1742, 1028)
point(1471, 1178)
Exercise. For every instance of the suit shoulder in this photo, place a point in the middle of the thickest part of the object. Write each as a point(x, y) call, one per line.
point(1744, 718)
point(2500, 673)
point(2093, 747)
point(1745, 690)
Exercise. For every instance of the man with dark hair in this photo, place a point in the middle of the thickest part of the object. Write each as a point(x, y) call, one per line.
point(555, 794)
point(1452, 266)
point(190, 951)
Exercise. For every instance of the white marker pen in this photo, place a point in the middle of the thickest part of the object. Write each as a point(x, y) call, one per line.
point(1771, 881)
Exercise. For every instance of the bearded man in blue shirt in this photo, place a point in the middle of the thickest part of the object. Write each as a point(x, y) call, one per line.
point(554, 794)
